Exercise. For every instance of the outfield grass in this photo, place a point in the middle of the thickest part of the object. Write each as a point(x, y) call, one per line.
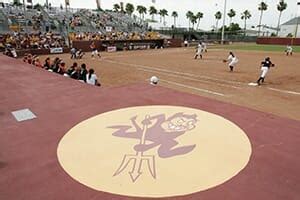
point(255, 47)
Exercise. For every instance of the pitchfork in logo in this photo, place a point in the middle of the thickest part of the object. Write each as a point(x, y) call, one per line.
point(156, 131)
point(139, 157)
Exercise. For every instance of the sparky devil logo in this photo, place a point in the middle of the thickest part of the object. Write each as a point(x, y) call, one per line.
point(154, 132)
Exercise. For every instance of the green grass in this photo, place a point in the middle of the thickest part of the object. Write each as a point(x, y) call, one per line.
point(255, 47)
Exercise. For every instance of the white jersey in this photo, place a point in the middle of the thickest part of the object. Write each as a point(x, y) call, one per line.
point(92, 80)
point(232, 60)
point(199, 49)
point(289, 49)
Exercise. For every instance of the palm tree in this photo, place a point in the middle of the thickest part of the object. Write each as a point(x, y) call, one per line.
point(174, 15)
point(116, 7)
point(189, 16)
point(281, 6)
point(152, 12)
point(129, 8)
point(231, 14)
point(218, 16)
point(160, 12)
point(199, 16)
point(142, 11)
point(245, 15)
point(194, 20)
point(164, 13)
point(261, 7)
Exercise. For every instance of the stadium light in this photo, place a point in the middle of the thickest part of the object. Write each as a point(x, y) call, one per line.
point(224, 20)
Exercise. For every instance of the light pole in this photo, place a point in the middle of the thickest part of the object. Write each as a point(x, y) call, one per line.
point(224, 20)
point(297, 24)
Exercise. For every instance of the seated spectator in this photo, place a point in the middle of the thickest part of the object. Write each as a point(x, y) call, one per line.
point(25, 59)
point(61, 68)
point(29, 59)
point(83, 72)
point(91, 78)
point(73, 71)
point(47, 64)
point(55, 64)
point(37, 62)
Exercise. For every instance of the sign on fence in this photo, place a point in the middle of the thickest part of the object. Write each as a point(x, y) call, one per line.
point(56, 50)
point(111, 49)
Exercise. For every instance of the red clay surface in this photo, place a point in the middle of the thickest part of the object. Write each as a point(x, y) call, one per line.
point(28, 163)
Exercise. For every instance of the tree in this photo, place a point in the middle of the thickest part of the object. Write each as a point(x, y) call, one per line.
point(189, 16)
point(199, 16)
point(164, 13)
point(245, 15)
point(116, 7)
point(218, 16)
point(152, 12)
point(160, 12)
point(17, 3)
point(281, 6)
point(142, 10)
point(261, 7)
point(174, 15)
point(231, 14)
point(194, 20)
point(129, 8)
point(37, 6)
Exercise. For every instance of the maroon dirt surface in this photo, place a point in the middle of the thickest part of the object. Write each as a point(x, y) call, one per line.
point(28, 162)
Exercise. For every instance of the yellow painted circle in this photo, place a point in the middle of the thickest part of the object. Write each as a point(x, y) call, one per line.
point(154, 151)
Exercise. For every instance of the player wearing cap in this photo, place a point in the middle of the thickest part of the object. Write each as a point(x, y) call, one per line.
point(265, 66)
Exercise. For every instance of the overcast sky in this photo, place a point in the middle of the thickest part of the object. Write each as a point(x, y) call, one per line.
point(208, 7)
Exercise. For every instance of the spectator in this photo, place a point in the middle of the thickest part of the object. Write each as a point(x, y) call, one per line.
point(83, 73)
point(73, 71)
point(61, 68)
point(91, 78)
point(47, 64)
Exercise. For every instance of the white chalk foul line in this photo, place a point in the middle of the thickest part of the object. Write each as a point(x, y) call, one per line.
point(199, 76)
point(284, 91)
point(189, 78)
point(193, 88)
point(179, 73)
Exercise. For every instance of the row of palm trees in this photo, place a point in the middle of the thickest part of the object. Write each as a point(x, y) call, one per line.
point(196, 18)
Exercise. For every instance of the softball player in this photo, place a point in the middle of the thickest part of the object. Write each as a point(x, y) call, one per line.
point(199, 51)
point(265, 67)
point(204, 47)
point(94, 50)
point(289, 50)
point(233, 60)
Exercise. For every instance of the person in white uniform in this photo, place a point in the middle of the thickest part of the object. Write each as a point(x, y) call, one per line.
point(199, 51)
point(289, 50)
point(232, 60)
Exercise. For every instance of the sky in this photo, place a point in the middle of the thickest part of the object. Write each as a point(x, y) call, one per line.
point(208, 7)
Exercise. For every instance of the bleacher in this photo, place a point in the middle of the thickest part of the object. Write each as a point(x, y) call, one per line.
point(72, 20)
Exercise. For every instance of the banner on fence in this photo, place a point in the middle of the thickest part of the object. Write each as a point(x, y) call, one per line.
point(111, 49)
point(56, 50)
